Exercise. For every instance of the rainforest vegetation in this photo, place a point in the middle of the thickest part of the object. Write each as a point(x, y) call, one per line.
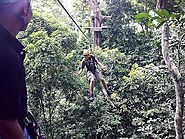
point(143, 85)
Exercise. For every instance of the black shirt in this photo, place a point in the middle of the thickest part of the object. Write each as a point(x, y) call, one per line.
point(13, 94)
point(89, 63)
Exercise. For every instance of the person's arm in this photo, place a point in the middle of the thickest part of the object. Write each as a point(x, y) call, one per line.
point(10, 129)
point(81, 69)
point(79, 72)
point(99, 63)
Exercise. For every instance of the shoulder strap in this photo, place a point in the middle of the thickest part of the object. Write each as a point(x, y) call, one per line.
point(32, 127)
point(93, 58)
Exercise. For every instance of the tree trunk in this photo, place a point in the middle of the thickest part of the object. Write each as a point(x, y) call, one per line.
point(176, 75)
point(177, 82)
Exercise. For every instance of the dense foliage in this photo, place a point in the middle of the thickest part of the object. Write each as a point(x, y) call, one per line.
point(143, 100)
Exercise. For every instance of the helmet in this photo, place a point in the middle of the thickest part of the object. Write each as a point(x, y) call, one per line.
point(86, 52)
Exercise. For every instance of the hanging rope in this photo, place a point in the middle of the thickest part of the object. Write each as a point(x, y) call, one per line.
point(72, 18)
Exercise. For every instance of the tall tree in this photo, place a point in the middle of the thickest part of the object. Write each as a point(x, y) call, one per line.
point(176, 75)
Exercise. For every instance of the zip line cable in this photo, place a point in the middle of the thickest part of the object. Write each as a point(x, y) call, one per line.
point(72, 18)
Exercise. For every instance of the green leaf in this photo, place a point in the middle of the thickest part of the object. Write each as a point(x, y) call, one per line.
point(137, 20)
point(149, 24)
point(163, 13)
point(142, 15)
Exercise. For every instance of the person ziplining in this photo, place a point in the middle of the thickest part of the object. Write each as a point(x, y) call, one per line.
point(90, 63)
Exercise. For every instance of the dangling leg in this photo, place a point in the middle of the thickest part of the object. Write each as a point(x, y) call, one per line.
point(91, 83)
point(92, 87)
point(104, 84)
